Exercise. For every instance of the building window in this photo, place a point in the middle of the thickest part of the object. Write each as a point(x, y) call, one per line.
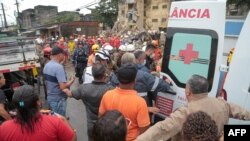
point(154, 20)
point(163, 20)
point(164, 6)
point(154, 7)
point(130, 6)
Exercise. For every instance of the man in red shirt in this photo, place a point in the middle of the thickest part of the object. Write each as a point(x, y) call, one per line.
point(112, 40)
point(117, 42)
point(126, 100)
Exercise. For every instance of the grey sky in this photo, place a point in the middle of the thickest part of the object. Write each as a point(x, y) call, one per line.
point(63, 5)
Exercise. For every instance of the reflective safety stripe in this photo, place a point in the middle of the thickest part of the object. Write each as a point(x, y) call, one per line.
point(89, 74)
point(142, 94)
point(157, 79)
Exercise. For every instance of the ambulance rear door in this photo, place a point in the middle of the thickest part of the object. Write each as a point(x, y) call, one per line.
point(237, 83)
point(194, 45)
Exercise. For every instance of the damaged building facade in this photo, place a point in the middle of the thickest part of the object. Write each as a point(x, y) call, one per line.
point(46, 20)
point(143, 14)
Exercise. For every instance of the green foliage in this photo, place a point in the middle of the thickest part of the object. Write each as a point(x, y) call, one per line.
point(67, 17)
point(106, 12)
point(239, 2)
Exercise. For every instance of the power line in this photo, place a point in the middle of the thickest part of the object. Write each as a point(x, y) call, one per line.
point(88, 5)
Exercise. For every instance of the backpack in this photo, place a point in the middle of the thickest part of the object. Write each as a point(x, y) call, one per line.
point(82, 56)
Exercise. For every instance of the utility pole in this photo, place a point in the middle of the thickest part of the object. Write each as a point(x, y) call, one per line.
point(18, 20)
point(5, 22)
point(1, 20)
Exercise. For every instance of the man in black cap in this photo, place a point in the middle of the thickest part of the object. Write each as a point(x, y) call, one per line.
point(55, 80)
point(80, 59)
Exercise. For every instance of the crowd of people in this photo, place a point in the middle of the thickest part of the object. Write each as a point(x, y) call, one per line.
point(119, 82)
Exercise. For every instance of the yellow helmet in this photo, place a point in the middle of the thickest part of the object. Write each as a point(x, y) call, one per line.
point(95, 47)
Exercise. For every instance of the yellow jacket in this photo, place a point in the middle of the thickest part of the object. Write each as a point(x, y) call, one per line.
point(71, 46)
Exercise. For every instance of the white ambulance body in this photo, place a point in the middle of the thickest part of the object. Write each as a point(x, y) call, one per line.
point(237, 83)
point(194, 45)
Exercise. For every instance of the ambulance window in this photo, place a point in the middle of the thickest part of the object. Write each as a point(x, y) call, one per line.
point(188, 52)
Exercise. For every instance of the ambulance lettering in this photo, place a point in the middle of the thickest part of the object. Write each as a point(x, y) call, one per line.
point(191, 13)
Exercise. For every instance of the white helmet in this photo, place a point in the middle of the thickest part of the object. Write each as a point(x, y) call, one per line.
point(103, 54)
point(122, 48)
point(108, 48)
point(130, 47)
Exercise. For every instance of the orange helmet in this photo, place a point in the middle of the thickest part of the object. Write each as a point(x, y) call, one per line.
point(47, 51)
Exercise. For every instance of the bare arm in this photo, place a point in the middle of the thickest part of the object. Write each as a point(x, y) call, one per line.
point(64, 85)
point(153, 110)
point(68, 92)
point(238, 112)
point(4, 113)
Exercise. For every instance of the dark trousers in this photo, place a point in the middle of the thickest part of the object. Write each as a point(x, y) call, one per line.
point(79, 71)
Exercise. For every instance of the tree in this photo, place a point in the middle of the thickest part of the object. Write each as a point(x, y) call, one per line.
point(67, 17)
point(106, 12)
point(239, 2)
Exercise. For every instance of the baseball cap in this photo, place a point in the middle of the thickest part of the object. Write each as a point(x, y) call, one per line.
point(56, 50)
point(23, 95)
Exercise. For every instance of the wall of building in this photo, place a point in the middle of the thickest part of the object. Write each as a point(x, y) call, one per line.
point(27, 17)
point(152, 14)
point(89, 28)
point(156, 14)
point(45, 14)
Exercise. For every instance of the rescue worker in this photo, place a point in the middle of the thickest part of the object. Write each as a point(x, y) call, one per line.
point(145, 82)
point(103, 57)
point(63, 45)
point(81, 58)
point(123, 49)
point(157, 51)
point(197, 95)
point(149, 56)
point(111, 65)
point(117, 42)
point(140, 57)
point(71, 47)
point(46, 55)
point(91, 58)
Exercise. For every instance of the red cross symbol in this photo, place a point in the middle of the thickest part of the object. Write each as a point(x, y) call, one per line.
point(188, 54)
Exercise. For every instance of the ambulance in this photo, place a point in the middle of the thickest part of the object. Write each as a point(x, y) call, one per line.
point(194, 45)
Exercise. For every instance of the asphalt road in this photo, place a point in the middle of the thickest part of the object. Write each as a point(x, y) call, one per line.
point(75, 108)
